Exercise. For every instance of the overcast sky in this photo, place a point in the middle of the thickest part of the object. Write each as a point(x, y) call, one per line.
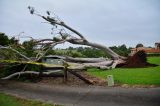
point(109, 22)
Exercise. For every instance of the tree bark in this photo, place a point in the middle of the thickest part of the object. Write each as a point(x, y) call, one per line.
point(81, 66)
point(84, 60)
point(28, 72)
point(99, 46)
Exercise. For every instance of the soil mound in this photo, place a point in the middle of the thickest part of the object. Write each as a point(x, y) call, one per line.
point(138, 60)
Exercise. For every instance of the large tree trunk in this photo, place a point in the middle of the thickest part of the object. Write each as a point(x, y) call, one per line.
point(84, 60)
point(108, 64)
point(99, 46)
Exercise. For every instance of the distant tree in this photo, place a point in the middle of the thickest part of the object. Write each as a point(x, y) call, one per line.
point(149, 47)
point(139, 45)
point(89, 52)
point(121, 50)
point(70, 48)
point(4, 40)
point(13, 40)
point(80, 49)
point(123, 47)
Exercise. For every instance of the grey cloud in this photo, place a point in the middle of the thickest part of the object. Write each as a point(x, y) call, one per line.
point(104, 21)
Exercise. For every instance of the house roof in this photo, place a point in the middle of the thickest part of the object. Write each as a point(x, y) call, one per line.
point(142, 48)
point(153, 51)
point(147, 50)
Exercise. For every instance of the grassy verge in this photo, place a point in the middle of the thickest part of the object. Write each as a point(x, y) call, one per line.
point(143, 76)
point(7, 100)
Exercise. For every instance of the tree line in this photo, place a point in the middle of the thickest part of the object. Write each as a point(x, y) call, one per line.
point(89, 52)
point(27, 47)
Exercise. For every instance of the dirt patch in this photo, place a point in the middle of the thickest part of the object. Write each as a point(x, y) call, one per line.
point(74, 81)
point(138, 60)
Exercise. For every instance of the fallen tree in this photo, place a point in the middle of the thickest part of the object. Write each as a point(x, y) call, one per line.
point(63, 35)
point(44, 45)
point(75, 38)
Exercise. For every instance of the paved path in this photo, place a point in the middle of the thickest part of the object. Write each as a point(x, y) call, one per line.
point(84, 96)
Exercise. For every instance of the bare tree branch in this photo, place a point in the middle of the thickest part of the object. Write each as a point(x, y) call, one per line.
point(61, 23)
point(51, 46)
point(29, 72)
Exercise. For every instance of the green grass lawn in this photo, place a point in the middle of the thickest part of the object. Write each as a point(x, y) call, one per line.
point(142, 76)
point(7, 100)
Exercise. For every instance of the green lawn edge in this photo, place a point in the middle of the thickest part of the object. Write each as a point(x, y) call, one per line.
point(132, 76)
point(8, 100)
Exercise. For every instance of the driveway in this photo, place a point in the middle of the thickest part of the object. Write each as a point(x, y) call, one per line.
point(83, 96)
